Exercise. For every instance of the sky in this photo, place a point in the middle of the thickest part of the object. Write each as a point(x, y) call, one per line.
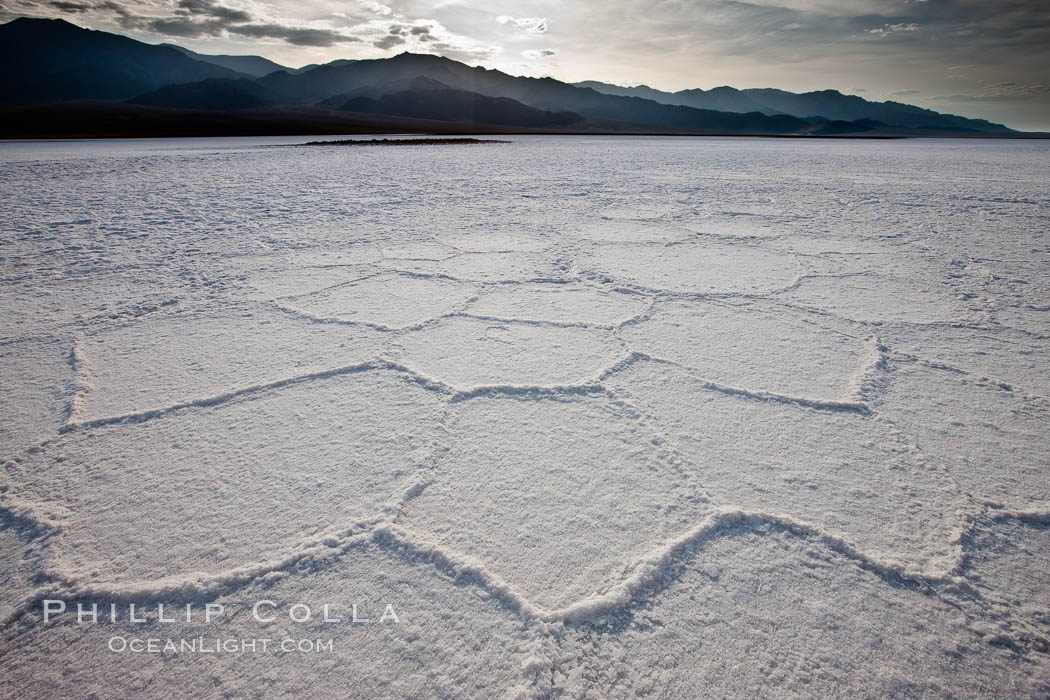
point(977, 58)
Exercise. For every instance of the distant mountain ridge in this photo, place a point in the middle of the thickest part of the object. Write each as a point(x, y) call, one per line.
point(423, 98)
point(224, 94)
point(831, 104)
point(254, 66)
point(52, 60)
point(541, 93)
point(60, 62)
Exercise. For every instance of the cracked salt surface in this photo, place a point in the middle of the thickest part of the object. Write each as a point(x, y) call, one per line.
point(743, 418)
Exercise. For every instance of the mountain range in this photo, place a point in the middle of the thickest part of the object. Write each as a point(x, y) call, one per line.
point(830, 104)
point(74, 81)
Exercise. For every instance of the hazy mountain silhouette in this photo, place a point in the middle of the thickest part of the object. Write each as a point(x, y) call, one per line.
point(254, 66)
point(423, 98)
point(541, 93)
point(825, 103)
point(311, 66)
point(49, 60)
point(214, 93)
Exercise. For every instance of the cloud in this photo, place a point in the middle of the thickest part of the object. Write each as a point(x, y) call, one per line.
point(207, 18)
point(297, 36)
point(377, 7)
point(888, 29)
point(1001, 92)
point(207, 8)
point(425, 36)
point(531, 25)
point(389, 41)
point(73, 7)
point(538, 54)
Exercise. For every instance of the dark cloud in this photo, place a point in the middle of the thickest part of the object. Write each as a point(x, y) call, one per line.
point(207, 8)
point(298, 36)
point(179, 26)
point(422, 33)
point(74, 7)
point(206, 18)
point(389, 41)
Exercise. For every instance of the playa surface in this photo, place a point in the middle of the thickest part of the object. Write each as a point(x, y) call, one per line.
point(590, 416)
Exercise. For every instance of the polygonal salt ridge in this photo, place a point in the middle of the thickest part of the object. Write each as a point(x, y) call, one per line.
point(989, 439)
point(473, 355)
point(290, 281)
point(498, 241)
point(448, 636)
point(643, 209)
point(630, 231)
point(67, 302)
point(386, 300)
point(229, 487)
point(418, 250)
point(832, 245)
point(567, 304)
point(782, 600)
point(758, 347)
point(334, 256)
point(874, 298)
point(735, 227)
point(172, 360)
point(481, 267)
point(988, 355)
point(556, 496)
point(849, 475)
point(695, 268)
point(1008, 558)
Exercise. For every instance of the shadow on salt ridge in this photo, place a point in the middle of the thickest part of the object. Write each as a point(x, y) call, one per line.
point(19, 543)
point(167, 360)
point(847, 474)
point(469, 353)
point(557, 497)
point(874, 298)
point(696, 268)
point(213, 489)
point(807, 625)
point(386, 300)
point(991, 441)
point(1010, 560)
point(560, 303)
point(39, 386)
point(755, 349)
point(448, 641)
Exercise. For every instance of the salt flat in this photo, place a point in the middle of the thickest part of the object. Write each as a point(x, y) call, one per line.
point(753, 417)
